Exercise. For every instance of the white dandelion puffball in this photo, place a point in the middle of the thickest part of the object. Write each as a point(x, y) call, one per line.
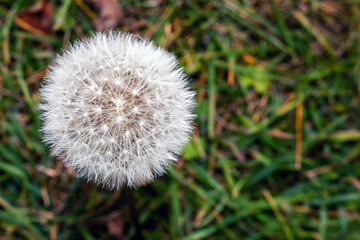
point(117, 109)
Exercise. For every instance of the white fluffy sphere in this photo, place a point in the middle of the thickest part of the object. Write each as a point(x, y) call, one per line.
point(117, 109)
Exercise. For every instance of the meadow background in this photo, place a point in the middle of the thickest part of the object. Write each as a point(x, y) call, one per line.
point(276, 150)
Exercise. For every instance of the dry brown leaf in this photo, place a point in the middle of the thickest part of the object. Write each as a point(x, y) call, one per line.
point(37, 19)
point(249, 59)
point(329, 7)
point(48, 171)
point(281, 134)
point(355, 182)
point(115, 226)
point(111, 14)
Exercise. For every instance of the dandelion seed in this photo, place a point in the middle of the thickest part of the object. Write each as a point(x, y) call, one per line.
point(117, 108)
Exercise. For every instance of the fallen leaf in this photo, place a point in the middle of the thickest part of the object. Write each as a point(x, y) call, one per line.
point(48, 171)
point(329, 7)
point(111, 14)
point(281, 134)
point(231, 72)
point(249, 59)
point(355, 182)
point(115, 226)
point(37, 19)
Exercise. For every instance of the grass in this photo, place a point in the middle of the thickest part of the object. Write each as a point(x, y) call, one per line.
point(276, 150)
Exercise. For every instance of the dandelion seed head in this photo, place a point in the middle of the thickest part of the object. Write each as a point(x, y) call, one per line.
point(117, 108)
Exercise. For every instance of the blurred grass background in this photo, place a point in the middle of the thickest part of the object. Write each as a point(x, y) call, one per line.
point(275, 153)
